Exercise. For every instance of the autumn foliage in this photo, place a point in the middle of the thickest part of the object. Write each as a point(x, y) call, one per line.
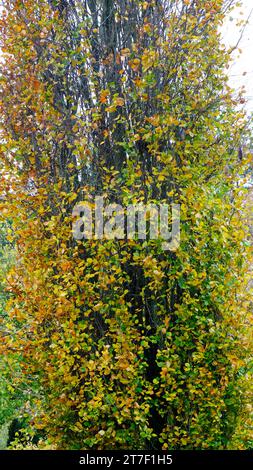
point(117, 343)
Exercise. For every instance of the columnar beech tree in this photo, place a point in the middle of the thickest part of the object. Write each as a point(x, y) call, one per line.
point(121, 344)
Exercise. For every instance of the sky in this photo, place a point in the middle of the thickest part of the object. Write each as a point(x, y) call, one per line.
point(241, 70)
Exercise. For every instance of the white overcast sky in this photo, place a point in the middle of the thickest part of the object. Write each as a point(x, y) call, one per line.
point(241, 62)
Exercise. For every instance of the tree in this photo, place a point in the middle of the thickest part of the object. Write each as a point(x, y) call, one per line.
point(130, 346)
point(11, 399)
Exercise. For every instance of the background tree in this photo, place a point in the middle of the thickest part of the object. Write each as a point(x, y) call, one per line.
point(11, 398)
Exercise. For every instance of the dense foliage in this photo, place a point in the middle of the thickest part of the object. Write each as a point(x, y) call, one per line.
point(121, 344)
